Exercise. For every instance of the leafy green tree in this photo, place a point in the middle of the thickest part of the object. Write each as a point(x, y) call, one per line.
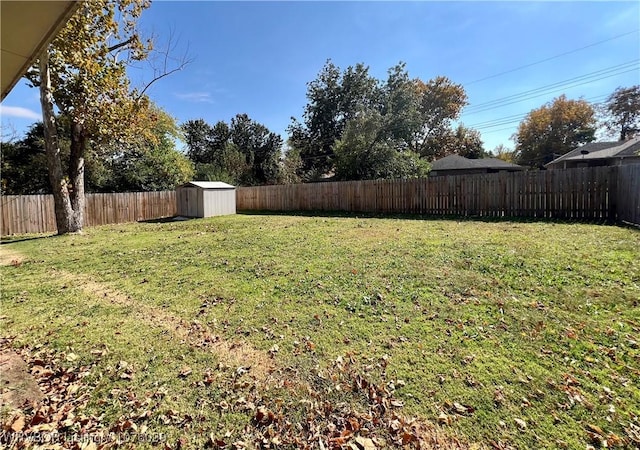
point(368, 150)
point(149, 162)
point(553, 130)
point(159, 167)
point(138, 164)
point(83, 73)
point(622, 112)
point(290, 166)
point(462, 141)
point(24, 169)
point(399, 105)
point(334, 97)
point(242, 152)
point(24, 162)
point(414, 115)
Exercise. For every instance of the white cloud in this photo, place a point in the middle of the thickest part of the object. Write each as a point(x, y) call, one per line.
point(18, 111)
point(199, 97)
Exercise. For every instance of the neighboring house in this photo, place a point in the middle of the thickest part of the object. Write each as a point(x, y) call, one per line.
point(599, 154)
point(458, 165)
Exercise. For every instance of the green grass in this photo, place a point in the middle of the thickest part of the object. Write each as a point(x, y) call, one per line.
point(530, 321)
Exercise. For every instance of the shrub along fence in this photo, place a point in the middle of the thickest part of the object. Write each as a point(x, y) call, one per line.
point(596, 193)
point(35, 213)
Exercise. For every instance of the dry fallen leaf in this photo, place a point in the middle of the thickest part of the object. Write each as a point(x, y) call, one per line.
point(18, 423)
point(595, 429)
point(364, 443)
point(521, 424)
point(498, 396)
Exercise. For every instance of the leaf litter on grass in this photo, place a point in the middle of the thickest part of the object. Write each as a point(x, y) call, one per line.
point(537, 331)
point(371, 420)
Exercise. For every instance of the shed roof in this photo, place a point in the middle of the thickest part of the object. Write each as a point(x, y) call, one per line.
point(209, 185)
point(457, 162)
point(601, 150)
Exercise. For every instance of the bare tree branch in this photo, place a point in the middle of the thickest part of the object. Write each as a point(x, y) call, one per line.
point(121, 44)
point(168, 65)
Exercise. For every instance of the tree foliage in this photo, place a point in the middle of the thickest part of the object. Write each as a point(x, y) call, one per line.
point(408, 114)
point(368, 150)
point(504, 153)
point(83, 73)
point(622, 112)
point(334, 97)
point(243, 152)
point(553, 130)
point(138, 164)
point(440, 103)
point(462, 141)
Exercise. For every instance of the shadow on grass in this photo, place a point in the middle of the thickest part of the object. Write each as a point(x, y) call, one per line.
point(167, 219)
point(427, 217)
point(22, 238)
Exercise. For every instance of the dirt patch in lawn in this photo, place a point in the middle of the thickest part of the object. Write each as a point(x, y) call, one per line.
point(195, 334)
point(18, 388)
point(10, 257)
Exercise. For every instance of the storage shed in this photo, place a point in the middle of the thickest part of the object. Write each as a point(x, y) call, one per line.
point(206, 199)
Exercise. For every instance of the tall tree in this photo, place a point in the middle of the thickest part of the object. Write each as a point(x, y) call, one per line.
point(333, 98)
point(135, 164)
point(553, 130)
point(440, 103)
point(622, 112)
point(243, 152)
point(290, 166)
point(462, 141)
point(148, 162)
point(412, 114)
point(83, 73)
point(368, 150)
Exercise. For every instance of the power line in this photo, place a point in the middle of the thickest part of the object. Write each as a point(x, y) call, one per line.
point(551, 58)
point(488, 122)
point(549, 92)
point(502, 102)
point(517, 117)
point(552, 86)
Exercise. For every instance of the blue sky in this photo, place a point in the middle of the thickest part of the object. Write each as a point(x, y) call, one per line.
point(256, 57)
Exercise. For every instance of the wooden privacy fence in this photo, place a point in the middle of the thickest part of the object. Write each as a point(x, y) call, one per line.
point(596, 193)
point(35, 213)
point(609, 193)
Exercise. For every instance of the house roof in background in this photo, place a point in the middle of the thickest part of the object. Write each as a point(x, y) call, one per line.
point(601, 150)
point(457, 162)
point(27, 28)
point(209, 185)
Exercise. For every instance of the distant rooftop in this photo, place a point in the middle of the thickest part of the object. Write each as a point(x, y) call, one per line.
point(457, 162)
point(601, 150)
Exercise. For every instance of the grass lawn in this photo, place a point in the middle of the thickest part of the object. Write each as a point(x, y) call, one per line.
point(267, 330)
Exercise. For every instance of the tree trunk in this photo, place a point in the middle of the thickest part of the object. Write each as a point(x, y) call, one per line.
point(66, 218)
point(76, 172)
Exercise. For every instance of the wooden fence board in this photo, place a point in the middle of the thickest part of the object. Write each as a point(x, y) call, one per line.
point(600, 193)
point(628, 194)
point(23, 214)
point(597, 193)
